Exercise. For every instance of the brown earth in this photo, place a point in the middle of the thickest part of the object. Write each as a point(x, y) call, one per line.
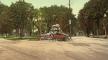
point(79, 48)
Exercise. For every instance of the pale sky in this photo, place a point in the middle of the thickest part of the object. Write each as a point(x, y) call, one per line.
point(76, 5)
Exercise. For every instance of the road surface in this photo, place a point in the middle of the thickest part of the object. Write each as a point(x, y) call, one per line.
point(79, 48)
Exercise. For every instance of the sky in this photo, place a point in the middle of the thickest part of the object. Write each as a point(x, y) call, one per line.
point(76, 5)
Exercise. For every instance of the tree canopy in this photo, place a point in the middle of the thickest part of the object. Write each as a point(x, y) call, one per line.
point(92, 15)
point(21, 18)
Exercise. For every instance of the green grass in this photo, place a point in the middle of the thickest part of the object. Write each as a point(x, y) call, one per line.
point(21, 38)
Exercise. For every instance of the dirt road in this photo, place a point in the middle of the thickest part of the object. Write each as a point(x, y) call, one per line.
point(79, 48)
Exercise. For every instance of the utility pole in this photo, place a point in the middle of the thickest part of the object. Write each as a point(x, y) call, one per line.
point(69, 4)
point(21, 0)
point(70, 18)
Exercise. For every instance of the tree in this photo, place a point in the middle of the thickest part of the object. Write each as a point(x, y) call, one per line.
point(91, 16)
point(6, 25)
point(22, 15)
point(57, 15)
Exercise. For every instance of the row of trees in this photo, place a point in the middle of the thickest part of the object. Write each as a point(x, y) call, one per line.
point(58, 15)
point(93, 17)
point(21, 18)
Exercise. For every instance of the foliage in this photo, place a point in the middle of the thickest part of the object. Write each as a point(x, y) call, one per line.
point(5, 21)
point(22, 15)
point(92, 15)
point(21, 18)
point(57, 15)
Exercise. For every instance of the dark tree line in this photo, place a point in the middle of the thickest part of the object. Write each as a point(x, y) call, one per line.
point(21, 18)
point(94, 17)
point(58, 15)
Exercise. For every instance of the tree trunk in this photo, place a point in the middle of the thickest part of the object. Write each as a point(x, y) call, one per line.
point(105, 32)
point(97, 32)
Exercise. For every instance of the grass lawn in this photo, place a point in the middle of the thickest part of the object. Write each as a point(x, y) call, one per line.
point(20, 38)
